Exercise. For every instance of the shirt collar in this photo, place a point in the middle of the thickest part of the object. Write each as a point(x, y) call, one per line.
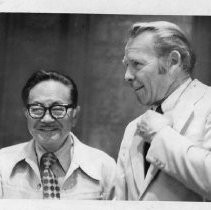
point(170, 102)
point(24, 152)
point(85, 158)
point(82, 156)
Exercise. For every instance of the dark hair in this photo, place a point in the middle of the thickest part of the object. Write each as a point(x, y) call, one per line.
point(43, 75)
point(168, 37)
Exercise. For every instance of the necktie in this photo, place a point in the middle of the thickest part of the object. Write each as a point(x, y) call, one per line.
point(51, 189)
point(147, 145)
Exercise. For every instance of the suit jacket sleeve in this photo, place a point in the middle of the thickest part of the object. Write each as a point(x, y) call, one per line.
point(123, 162)
point(109, 177)
point(184, 160)
point(120, 189)
point(1, 193)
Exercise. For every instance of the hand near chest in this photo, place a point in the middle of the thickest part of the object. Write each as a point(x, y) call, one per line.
point(150, 123)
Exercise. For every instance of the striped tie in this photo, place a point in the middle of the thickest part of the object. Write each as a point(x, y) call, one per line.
point(51, 189)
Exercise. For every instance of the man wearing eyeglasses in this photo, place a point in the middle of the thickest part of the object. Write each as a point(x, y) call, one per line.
point(54, 164)
point(158, 158)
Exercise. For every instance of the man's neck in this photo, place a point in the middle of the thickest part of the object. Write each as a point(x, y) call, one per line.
point(181, 79)
point(175, 85)
point(50, 148)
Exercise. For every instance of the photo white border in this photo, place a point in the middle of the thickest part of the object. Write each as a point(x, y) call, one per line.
point(128, 7)
point(132, 7)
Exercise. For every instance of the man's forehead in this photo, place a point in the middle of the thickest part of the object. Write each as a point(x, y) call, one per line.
point(132, 49)
point(143, 40)
point(51, 84)
point(139, 46)
point(130, 52)
point(135, 51)
point(51, 89)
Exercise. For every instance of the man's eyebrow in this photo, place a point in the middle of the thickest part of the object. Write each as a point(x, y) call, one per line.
point(36, 102)
point(58, 103)
point(125, 61)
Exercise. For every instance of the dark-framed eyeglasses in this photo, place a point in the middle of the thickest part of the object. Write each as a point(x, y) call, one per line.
point(57, 111)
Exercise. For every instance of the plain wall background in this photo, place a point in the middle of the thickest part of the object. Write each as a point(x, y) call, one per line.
point(90, 49)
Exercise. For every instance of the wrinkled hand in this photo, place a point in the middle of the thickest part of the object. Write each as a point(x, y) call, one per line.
point(152, 122)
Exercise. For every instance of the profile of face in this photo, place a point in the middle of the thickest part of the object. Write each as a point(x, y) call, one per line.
point(49, 132)
point(142, 70)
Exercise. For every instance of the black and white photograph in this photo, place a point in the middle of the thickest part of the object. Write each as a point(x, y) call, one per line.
point(105, 106)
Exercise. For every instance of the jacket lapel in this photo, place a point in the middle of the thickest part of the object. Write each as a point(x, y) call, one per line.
point(137, 161)
point(183, 113)
point(182, 125)
point(182, 116)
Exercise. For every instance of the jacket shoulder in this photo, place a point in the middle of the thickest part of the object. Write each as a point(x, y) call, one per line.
point(12, 150)
point(96, 163)
point(96, 154)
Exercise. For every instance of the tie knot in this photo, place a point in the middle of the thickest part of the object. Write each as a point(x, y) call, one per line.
point(48, 159)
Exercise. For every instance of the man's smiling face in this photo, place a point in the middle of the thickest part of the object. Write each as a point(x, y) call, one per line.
point(142, 69)
point(48, 132)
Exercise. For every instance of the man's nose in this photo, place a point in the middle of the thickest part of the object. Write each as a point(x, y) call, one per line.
point(47, 117)
point(129, 75)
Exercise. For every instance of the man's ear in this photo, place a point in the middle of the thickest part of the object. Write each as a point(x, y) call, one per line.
point(174, 60)
point(75, 115)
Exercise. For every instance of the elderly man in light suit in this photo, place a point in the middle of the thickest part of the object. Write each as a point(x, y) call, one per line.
point(154, 162)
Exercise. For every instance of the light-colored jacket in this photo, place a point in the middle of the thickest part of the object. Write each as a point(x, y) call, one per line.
point(90, 176)
point(192, 123)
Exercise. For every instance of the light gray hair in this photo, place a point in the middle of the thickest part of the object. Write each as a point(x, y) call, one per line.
point(168, 37)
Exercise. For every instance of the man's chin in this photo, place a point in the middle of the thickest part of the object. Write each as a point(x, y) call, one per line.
point(141, 100)
point(48, 136)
